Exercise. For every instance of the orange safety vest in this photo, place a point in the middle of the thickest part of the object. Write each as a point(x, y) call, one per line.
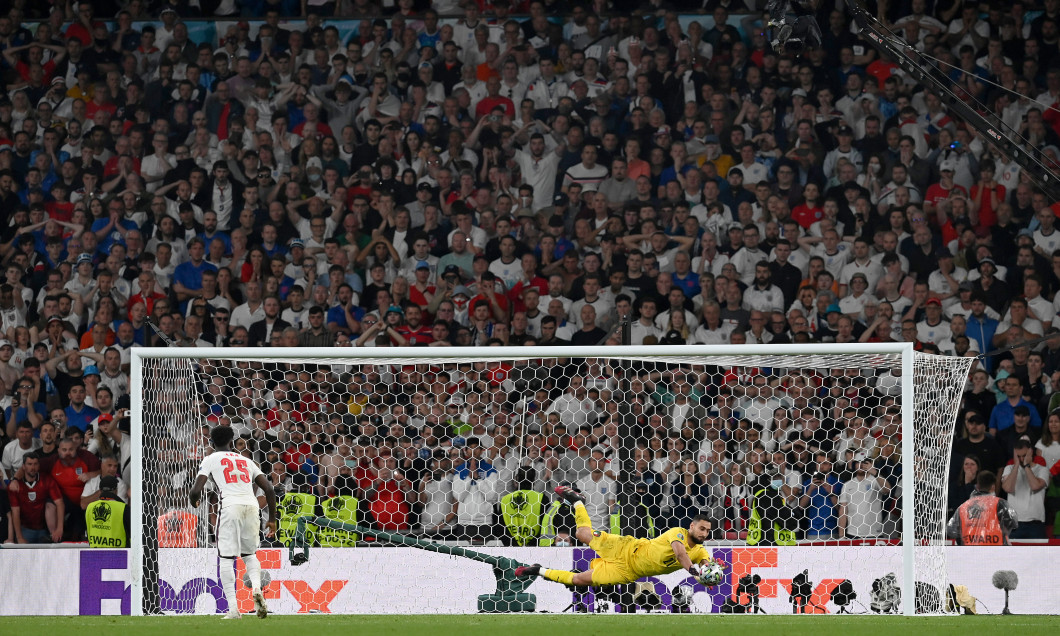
point(177, 529)
point(979, 522)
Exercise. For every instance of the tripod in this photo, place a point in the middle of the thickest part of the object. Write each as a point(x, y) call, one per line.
point(753, 603)
point(752, 606)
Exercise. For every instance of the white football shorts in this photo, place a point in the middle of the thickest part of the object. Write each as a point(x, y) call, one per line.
point(238, 531)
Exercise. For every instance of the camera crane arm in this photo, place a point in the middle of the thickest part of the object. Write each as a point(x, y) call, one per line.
point(923, 69)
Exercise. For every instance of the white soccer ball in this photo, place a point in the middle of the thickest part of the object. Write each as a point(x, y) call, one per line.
point(711, 574)
point(265, 579)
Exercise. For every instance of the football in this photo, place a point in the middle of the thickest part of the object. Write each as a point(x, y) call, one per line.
point(712, 574)
point(265, 579)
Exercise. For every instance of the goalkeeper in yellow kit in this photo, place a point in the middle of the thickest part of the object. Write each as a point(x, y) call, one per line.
point(625, 559)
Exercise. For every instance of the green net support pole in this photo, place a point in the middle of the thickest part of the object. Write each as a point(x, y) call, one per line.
point(510, 595)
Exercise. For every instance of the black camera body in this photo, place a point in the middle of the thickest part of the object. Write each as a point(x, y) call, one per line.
point(801, 590)
point(843, 594)
point(748, 584)
point(801, 585)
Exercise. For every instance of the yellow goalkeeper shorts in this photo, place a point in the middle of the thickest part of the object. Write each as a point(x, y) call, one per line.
point(612, 567)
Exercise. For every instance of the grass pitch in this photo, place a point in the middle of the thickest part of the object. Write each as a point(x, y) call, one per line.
point(537, 625)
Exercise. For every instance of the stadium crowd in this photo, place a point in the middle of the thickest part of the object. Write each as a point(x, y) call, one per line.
point(528, 173)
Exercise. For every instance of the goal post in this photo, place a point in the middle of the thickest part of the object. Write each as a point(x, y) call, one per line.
point(670, 405)
point(909, 525)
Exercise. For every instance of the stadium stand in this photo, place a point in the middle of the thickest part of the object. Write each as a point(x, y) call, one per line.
point(520, 173)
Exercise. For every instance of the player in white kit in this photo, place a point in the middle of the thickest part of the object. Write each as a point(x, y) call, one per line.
point(235, 476)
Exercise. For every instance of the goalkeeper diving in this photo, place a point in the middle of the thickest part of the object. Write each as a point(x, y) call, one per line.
point(625, 559)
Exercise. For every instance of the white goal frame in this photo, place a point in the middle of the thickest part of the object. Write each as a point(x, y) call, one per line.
point(349, 355)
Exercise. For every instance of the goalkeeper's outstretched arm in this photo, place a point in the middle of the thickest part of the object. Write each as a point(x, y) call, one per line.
point(696, 571)
point(682, 555)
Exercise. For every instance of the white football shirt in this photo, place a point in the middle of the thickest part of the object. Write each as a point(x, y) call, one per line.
point(233, 475)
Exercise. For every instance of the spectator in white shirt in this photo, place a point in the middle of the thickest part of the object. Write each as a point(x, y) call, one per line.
point(573, 407)
point(251, 311)
point(17, 448)
point(752, 171)
point(1037, 307)
point(645, 325)
point(598, 490)
point(862, 263)
point(958, 325)
point(108, 467)
point(749, 255)
point(853, 304)
point(763, 295)
point(1025, 480)
point(932, 328)
point(1017, 317)
point(1046, 237)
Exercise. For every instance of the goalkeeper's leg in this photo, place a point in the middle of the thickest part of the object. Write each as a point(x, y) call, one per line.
point(584, 533)
point(566, 577)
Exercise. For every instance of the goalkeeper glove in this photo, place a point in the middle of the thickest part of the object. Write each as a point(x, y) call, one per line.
point(695, 571)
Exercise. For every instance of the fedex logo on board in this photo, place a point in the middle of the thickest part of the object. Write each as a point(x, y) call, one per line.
point(98, 585)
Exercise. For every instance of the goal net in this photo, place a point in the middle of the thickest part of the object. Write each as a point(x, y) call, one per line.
point(823, 467)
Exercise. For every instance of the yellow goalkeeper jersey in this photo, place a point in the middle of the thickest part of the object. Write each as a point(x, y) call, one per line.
point(656, 556)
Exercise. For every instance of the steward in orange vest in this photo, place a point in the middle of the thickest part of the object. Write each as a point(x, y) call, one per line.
point(984, 519)
point(177, 529)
